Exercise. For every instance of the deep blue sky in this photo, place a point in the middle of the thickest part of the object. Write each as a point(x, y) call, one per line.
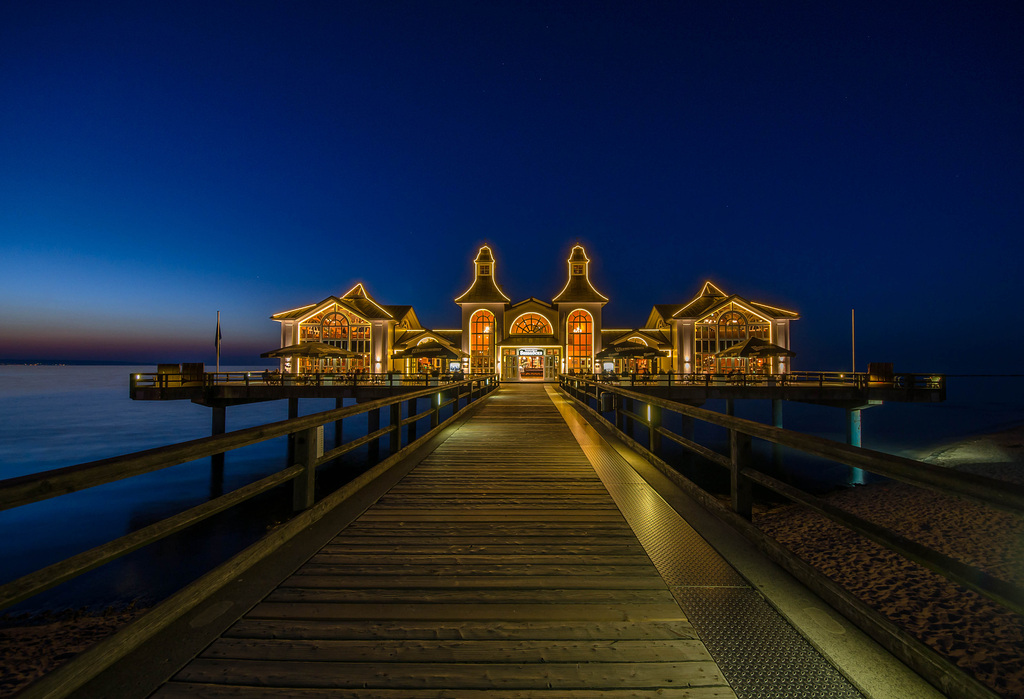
point(160, 161)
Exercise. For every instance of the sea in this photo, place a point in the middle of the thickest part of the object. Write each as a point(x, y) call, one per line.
point(57, 416)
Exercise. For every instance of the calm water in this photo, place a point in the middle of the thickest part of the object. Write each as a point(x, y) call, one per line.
point(55, 416)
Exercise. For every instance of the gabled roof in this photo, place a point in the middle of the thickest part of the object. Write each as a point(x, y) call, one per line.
point(531, 300)
point(355, 300)
point(364, 305)
point(661, 313)
point(711, 298)
point(411, 338)
point(651, 337)
point(483, 289)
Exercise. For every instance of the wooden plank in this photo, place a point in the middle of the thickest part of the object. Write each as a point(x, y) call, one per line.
point(189, 690)
point(479, 559)
point(382, 629)
point(562, 582)
point(452, 675)
point(421, 651)
point(316, 595)
point(496, 570)
point(387, 548)
point(397, 629)
point(450, 612)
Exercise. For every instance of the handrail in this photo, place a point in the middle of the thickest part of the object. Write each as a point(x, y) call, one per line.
point(23, 490)
point(275, 378)
point(859, 380)
point(988, 491)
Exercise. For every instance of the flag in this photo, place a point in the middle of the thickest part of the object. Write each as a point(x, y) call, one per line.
point(216, 342)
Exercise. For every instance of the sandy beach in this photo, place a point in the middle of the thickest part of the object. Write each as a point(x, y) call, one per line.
point(978, 635)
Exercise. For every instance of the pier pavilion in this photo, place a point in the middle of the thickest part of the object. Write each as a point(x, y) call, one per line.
point(534, 339)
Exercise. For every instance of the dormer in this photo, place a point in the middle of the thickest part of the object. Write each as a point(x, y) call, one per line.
point(578, 288)
point(484, 288)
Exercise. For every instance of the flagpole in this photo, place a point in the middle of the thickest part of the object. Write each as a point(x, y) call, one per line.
point(218, 342)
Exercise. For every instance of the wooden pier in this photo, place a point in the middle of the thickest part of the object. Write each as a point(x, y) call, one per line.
point(516, 550)
point(499, 567)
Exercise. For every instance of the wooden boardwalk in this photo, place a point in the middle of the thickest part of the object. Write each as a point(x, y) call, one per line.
point(499, 567)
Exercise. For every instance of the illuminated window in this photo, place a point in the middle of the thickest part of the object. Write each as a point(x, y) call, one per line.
point(481, 342)
point(531, 324)
point(336, 326)
point(334, 329)
point(485, 270)
point(579, 342)
point(721, 330)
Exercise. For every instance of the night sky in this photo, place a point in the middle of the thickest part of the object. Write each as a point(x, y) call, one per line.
point(161, 161)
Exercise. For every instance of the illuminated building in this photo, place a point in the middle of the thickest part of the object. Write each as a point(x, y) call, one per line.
point(534, 339)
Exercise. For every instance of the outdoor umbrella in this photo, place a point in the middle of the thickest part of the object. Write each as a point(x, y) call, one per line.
point(431, 350)
point(310, 349)
point(757, 348)
point(629, 349)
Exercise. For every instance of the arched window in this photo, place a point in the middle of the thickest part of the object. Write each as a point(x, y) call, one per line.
point(579, 342)
point(334, 329)
point(481, 342)
point(732, 329)
point(531, 324)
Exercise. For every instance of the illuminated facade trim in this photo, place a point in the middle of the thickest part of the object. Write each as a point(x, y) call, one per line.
point(532, 338)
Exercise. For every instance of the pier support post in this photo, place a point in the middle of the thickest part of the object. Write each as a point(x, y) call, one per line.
point(777, 422)
point(853, 438)
point(217, 460)
point(739, 486)
point(730, 406)
point(339, 430)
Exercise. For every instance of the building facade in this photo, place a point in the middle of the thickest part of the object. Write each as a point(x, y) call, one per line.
point(534, 339)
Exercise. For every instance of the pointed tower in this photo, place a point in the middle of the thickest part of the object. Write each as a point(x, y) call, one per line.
point(579, 313)
point(483, 314)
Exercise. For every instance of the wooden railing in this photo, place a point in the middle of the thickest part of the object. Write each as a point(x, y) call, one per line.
point(936, 382)
point(308, 436)
point(276, 378)
point(629, 408)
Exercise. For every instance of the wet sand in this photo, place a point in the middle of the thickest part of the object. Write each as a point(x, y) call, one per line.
point(980, 636)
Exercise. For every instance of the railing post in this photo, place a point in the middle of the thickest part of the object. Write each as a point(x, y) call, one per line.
point(395, 438)
point(619, 421)
point(411, 427)
point(652, 428)
point(372, 425)
point(740, 487)
point(435, 414)
point(339, 430)
point(305, 456)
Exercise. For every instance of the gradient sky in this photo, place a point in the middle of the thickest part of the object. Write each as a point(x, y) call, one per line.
point(161, 161)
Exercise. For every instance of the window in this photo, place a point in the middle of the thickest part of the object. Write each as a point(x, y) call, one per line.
point(579, 342)
point(531, 324)
point(481, 342)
